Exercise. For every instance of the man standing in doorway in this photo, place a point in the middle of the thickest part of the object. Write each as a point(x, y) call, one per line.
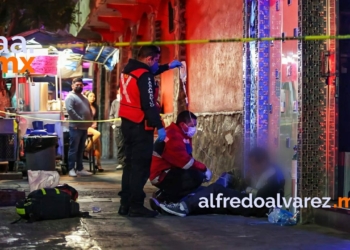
point(78, 108)
point(140, 116)
point(116, 125)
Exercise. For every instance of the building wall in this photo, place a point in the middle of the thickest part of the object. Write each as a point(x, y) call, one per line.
point(168, 54)
point(215, 77)
point(215, 83)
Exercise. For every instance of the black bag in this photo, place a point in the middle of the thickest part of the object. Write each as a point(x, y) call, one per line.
point(47, 204)
point(69, 190)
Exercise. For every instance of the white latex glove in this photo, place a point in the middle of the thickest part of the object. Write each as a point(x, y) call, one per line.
point(253, 191)
point(113, 126)
point(208, 175)
point(249, 190)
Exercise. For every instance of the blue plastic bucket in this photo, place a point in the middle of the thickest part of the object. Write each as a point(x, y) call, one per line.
point(38, 125)
point(50, 128)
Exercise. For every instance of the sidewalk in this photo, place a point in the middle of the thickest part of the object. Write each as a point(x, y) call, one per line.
point(108, 230)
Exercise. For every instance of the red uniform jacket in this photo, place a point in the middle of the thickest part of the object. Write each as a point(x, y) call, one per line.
point(175, 151)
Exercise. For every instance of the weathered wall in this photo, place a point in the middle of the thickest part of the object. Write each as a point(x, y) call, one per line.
point(167, 78)
point(215, 78)
point(218, 142)
point(215, 82)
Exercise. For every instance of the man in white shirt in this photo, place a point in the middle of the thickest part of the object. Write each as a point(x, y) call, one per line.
point(116, 125)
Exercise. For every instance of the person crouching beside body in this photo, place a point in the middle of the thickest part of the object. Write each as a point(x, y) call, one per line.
point(173, 170)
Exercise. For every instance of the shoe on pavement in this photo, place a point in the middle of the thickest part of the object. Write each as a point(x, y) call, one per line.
point(72, 173)
point(83, 173)
point(142, 212)
point(120, 166)
point(155, 205)
point(174, 208)
point(123, 210)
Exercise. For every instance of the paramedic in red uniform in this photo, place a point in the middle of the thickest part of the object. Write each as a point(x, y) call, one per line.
point(174, 171)
point(140, 116)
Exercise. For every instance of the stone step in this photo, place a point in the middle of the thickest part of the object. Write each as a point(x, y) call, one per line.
point(11, 176)
point(338, 219)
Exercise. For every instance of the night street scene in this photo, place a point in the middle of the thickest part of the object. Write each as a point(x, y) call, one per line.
point(169, 124)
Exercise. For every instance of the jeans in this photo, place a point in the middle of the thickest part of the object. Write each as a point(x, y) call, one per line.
point(138, 156)
point(77, 139)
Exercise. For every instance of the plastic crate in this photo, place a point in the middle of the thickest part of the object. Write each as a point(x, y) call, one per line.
point(8, 147)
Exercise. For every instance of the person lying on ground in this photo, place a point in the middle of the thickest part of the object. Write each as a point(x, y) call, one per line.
point(266, 181)
point(174, 170)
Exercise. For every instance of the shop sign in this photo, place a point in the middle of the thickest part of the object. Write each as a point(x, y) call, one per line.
point(17, 47)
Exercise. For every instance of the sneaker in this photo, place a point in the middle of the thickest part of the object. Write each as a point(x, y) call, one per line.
point(142, 212)
point(155, 205)
point(120, 166)
point(72, 173)
point(84, 172)
point(175, 208)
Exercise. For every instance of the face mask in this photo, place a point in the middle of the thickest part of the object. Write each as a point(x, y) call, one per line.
point(154, 67)
point(190, 131)
point(78, 90)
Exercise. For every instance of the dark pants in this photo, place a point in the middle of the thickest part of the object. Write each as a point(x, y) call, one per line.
point(180, 182)
point(77, 139)
point(193, 202)
point(138, 156)
point(120, 146)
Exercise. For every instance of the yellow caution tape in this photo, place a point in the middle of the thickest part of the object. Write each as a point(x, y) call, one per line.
point(202, 41)
point(53, 120)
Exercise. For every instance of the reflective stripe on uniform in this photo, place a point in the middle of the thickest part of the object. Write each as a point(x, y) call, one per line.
point(125, 85)
point(189, 164)
point(156, 154)
point(44, 191)
point(156, 180)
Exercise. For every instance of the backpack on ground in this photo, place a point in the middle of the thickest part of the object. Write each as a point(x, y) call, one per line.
point(48, 204)
point(69, 190)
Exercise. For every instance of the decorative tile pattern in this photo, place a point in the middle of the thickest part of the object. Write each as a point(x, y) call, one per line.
point(250, 74)
point(264, 72)
point(246, 79)
point(312, 95)
point(275, 72)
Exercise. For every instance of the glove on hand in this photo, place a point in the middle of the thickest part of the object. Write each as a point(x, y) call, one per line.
point(248, 190)
point(113, 126)
point(208, 175)
point(161, 134)
point(175, 64)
